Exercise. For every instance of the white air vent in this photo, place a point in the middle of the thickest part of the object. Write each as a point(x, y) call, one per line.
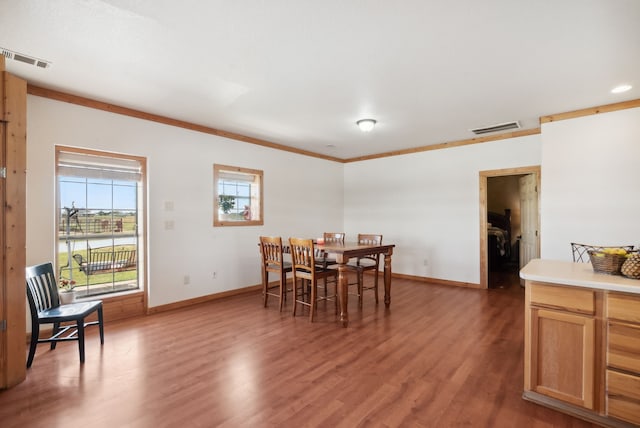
point(25, 58)
point(499, 127)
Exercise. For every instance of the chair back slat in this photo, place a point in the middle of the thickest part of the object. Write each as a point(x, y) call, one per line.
point(333, 237)
point(42, 290)
point(271, 250)
point(369, 239)
point(302, 256)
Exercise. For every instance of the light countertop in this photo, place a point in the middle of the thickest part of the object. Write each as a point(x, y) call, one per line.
point(577, 274)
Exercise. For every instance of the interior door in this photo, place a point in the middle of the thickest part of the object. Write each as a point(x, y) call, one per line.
point(529, 243)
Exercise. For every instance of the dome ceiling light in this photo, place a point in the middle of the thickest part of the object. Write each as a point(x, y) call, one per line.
point(620, 89)
point(366, 125)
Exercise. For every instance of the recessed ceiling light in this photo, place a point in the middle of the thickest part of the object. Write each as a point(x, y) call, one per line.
point(621, 88)
point(366, 125)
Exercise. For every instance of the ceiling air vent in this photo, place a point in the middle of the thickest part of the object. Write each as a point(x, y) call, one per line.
point(25, 58)
point(499, 127)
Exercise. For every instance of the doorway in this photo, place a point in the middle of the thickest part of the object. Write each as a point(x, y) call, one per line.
point(509, 224)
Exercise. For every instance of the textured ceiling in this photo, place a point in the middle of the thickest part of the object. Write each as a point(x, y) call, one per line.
point(300, 73)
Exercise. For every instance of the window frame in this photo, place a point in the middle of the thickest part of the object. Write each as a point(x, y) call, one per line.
point(140, 231)
point(257, 196)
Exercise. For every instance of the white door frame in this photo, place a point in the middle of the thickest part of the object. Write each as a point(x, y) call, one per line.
point(484, 175)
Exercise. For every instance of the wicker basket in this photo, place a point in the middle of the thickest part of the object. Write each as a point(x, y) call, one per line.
point(631, 267)
point(606, 263)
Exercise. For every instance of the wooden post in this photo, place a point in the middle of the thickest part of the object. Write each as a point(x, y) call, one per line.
point(13, 126)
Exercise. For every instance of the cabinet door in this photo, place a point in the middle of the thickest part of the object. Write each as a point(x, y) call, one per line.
point(562, 356)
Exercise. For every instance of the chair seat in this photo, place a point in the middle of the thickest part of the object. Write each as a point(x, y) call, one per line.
point(77, 310)
point(285, 266)
point(327, 260)
point(362, 264)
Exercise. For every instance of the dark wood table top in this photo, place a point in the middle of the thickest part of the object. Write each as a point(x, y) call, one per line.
point(353, 249)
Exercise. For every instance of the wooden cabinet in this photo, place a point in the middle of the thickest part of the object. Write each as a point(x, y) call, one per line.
point(561, 344)
point(623, 357)
point(582, 342)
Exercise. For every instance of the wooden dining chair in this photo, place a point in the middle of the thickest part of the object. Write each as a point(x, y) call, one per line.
point(324, 259)
point(369, 262)
point(45, 308)
point(307, 273)
point(271, 251)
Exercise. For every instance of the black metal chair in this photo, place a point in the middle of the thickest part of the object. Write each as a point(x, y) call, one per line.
point(45, 308)
point(580, 252)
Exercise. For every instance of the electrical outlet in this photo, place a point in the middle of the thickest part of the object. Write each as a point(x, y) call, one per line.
point(214, 275)
point(186, 280)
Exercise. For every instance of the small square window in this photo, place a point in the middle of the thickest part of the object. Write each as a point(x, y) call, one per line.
point(237, 196)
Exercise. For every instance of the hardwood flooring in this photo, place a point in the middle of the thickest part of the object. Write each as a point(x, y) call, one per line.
point(440, 356)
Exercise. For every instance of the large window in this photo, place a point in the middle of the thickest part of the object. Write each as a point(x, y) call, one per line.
point(237, 196)
point(100, 221)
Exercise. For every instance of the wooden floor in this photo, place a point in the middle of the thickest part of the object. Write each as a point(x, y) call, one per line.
point(441, 356)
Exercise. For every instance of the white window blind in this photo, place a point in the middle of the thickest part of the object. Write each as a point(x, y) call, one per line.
point(101, 167)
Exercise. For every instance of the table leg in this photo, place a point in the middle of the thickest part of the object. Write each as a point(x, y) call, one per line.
point(387, 279)
point(343, 288)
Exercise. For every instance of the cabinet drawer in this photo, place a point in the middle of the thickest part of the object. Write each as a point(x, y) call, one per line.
point(625, 307)
point(578, 300)
point(623, 396)
point(623, 347)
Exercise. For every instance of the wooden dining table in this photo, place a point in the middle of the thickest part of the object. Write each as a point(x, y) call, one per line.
point(349, 250)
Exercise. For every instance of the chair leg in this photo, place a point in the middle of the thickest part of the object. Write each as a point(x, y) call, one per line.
point(265, 286)
point(336, 297)
point(375, 283)
point(360, 286)
point(295, 297)
point(283, 288)
point(80, 324)
point(312, 300)
point(35, 333)
point(56, 329)
point(101, 325)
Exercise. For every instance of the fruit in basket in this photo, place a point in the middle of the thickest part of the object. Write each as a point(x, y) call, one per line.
point(616, 251)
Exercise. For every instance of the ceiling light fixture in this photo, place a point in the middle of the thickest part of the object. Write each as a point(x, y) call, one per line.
point(620, 89)
point(366, 125)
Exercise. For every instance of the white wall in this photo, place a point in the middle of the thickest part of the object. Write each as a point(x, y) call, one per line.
point(302, 195)
point(428, 204)
point(590, 183)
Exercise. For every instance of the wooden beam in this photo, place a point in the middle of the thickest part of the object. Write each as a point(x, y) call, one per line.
point(590, 111)
point(514, 134)
point(113, 108)
point(13, 155)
